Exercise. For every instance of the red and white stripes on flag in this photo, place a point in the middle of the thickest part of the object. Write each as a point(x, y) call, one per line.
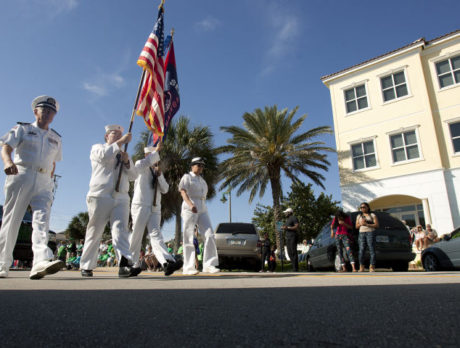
point(151, 101)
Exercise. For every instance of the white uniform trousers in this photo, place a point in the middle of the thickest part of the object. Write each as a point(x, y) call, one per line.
point(27, 187)
point(102, 210)
point(143, 216)
point(210, 257)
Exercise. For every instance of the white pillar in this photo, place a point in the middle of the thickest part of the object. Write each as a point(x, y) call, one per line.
point(426, 211)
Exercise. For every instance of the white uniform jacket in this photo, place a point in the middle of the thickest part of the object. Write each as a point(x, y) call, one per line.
point(36, 148)
point(105, 168)
point(143, 187)
point(196, 189)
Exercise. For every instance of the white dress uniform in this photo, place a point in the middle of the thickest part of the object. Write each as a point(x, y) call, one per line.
point(105, 204)
point(197, 189)
point(36, 151)
point(144, 213)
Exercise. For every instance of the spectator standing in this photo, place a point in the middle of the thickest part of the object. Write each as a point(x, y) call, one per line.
point(272, 259)
point(419, 236)
point(342, 224)
point(304, 250)
point(291, 228)
point(266, 250)
point(366, 222)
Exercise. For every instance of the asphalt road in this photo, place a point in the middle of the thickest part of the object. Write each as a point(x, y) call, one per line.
point(238, 310)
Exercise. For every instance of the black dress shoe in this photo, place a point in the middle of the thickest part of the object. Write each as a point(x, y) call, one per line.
point(135, 271)
point(170, 267)
point(124, 272)
point(86, 273)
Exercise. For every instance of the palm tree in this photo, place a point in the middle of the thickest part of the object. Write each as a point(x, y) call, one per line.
point(265, 148)
point(181, 145)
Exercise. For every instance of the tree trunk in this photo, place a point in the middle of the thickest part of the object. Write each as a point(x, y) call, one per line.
point(178, 232)
point(276, 194)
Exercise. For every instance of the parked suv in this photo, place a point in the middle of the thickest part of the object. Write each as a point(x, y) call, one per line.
point(23, 248)
point(393, 248)
point(238, 246)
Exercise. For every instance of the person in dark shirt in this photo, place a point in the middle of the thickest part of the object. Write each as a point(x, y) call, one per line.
point(265, 251)
point(290, 229)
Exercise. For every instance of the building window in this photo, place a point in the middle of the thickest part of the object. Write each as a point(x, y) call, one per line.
point(448, 71)
point(356, 98)
point(363, 155)
point(404, 146)
point(394, 86)
point(455, 134)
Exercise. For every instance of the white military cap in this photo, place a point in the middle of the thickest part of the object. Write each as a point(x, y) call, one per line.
point(288, 210)
point(149, 149)
point(197, 160)
point(45, 100)
point(113, 127)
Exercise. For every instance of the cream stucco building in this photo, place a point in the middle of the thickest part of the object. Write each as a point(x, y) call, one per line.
point(397, 130)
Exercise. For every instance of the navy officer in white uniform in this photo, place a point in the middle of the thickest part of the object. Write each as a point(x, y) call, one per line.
point(146, 211)
point(194, 189)
point(106, 204)
point(30, 181)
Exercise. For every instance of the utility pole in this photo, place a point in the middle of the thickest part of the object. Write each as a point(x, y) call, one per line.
point(55, 181)
point(224, 200)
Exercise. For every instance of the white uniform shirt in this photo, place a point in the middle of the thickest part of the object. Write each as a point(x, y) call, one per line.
point(34, 147)
point(105, 171)
point(196, 189)
point(143, 187)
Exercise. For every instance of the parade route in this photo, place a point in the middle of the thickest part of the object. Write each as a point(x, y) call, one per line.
point(231, 309)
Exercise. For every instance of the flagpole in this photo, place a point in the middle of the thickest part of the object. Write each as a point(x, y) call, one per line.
point(117, 187)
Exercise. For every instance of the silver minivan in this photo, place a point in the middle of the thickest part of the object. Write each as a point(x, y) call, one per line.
point(238, 246)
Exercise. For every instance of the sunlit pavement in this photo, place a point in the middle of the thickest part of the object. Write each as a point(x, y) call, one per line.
point(231, 309)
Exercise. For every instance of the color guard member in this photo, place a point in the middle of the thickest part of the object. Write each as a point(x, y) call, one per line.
point(105, 204)
point(194, 189)
point(30, 181)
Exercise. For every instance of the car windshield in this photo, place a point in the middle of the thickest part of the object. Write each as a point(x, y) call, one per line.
point(236, 228)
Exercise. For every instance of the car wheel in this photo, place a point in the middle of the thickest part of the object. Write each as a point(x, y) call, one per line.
point(400, 267)
point(309, 265)
point(337, 263)
point(431, 263)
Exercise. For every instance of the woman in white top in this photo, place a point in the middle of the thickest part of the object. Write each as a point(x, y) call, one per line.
point(194, 189)
point(366, 222)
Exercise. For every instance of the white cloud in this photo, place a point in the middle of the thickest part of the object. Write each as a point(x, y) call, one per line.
point(49, 8)
point(285, 31)
point(207, 24)
point(103, 84)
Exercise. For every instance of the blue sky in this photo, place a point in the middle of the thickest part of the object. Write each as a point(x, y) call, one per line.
point(232, 57)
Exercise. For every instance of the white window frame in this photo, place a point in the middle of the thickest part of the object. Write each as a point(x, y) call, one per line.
point(355, 85)
point(392, 73)
point(362, 141)
point(436, 60)
point(448, 123)
point(405, 130)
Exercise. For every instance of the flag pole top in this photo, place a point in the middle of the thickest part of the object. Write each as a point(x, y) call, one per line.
point(172, 33)
point(162, 3)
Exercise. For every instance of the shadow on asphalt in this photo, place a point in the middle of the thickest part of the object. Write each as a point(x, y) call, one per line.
point(349, 316)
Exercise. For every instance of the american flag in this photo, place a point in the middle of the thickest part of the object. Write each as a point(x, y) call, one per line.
point(151, 100)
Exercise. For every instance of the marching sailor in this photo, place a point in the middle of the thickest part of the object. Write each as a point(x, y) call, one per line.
point(30, 181)
point(194, 189)
point(105, 204)
point(146, 211)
